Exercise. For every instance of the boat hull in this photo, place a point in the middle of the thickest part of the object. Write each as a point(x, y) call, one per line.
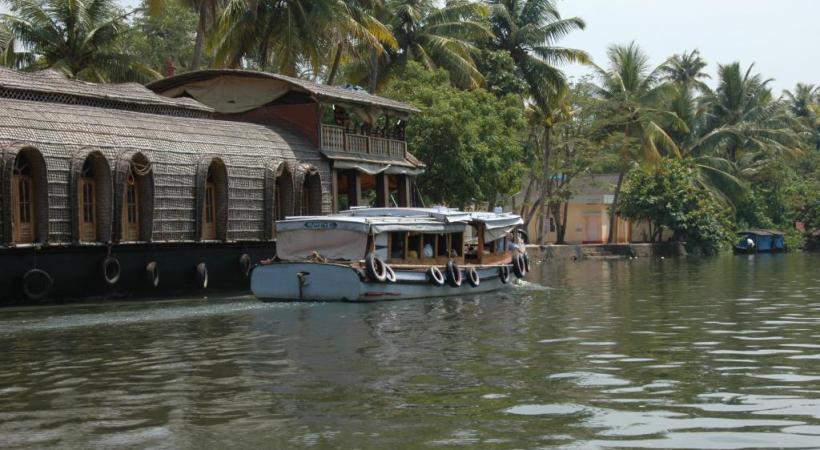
point(308, 281)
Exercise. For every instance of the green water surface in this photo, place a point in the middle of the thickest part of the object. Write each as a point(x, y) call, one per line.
point(720, 353)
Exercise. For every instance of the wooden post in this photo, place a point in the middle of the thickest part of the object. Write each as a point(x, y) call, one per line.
point(404, 191)
point(352, 188)
point(334, 191)
point(382, 190)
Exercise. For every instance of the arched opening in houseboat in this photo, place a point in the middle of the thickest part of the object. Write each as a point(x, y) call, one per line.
point(310, 201)
point(28, 198)
point(136, 198)
point(92, 177)
point(284, 193)
point(213, 210)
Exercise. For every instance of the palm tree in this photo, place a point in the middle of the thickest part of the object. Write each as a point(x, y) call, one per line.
point(741, 131)
point(801, 100)
point(634, 98)
point(74, 38)
point(436, 36)
point(297, 36)
point(743, 118)
point(686, 71)
point(208, 11)
point(529, 30)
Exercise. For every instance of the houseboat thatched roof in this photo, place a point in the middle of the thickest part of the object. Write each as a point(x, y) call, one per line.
point(51, 86)
point(321, 92)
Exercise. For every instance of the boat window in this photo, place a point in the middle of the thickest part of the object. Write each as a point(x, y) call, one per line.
point(397, 245)
point(413, 246)
point(457, 243)
point(429, 248)
point(443, 247)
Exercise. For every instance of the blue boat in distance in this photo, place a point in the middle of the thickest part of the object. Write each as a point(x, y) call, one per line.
point(760, 241)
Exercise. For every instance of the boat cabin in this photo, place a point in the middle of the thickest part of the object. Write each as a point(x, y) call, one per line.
point(400, 236)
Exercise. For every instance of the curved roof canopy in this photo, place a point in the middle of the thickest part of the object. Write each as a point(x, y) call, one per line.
point(232, 91)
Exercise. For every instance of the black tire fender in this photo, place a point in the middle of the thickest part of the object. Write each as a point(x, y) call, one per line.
point(245, 264)
point(472, 277)
point(504, 273)
point(524, 235)
point(454, 275)
point(36, 283)
point(202, 275)
point(389, 274)
point(111, 270)
point(375, 267)
point(518, 265)
point(152, 273)
point(434, 276)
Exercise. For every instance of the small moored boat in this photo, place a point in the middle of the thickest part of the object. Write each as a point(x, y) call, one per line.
point(760, 241)
point(391, 253)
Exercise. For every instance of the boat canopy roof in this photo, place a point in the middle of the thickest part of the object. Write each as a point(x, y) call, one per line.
point(369, 225)
point(761, 232)
point(490, 220)
point(344, 235)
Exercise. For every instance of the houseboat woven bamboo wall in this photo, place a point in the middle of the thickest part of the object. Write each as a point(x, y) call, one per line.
point(176, 145)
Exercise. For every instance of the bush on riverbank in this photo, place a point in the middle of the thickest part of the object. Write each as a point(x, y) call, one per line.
point(669, 197)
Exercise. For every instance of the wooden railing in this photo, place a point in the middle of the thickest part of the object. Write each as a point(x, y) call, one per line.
point(334, 138)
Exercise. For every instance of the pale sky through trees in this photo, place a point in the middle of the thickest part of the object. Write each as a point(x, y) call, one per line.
point(781, 37)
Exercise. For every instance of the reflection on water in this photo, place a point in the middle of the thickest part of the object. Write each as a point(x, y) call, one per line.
point(695, 353)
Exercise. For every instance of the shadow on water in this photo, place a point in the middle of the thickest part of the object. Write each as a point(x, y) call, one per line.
point(691, 353)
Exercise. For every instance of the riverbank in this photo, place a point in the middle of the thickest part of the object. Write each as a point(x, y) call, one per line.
point(604, 251)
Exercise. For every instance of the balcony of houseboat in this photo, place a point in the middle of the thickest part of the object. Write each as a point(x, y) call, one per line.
point(336, 138)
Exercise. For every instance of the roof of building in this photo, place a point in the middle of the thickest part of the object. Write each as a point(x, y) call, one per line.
point(320, 91)
point(51, 85)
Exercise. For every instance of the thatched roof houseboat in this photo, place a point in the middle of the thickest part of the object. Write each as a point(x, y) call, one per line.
point(186, 174)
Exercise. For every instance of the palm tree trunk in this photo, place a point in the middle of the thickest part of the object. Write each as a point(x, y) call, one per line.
point(555, 208)
point(562, 231)
point(546, 187)
point(335, 67)
point(613, 216)
point(200, 39)
point(374, 72)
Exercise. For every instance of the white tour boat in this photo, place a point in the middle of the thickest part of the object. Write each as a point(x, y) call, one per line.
point(371, 254)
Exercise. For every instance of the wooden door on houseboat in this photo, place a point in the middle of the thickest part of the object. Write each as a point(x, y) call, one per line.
point(88, 209)
point(130, 210)
point(209, 213)
point(22, 226)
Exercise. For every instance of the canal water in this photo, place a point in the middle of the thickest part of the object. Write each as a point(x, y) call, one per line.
point(719, 353)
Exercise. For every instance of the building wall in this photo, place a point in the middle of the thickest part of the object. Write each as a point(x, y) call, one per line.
point(590, 223)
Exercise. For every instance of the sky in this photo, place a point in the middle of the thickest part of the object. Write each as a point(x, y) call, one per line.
point(782, 37)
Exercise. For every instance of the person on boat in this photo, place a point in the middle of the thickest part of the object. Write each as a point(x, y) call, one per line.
point(427, 250)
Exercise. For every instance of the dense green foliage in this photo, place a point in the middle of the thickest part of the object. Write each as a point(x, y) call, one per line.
point(470, 140)
point(667, 197)
point(499, 116)
point(162, 39)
